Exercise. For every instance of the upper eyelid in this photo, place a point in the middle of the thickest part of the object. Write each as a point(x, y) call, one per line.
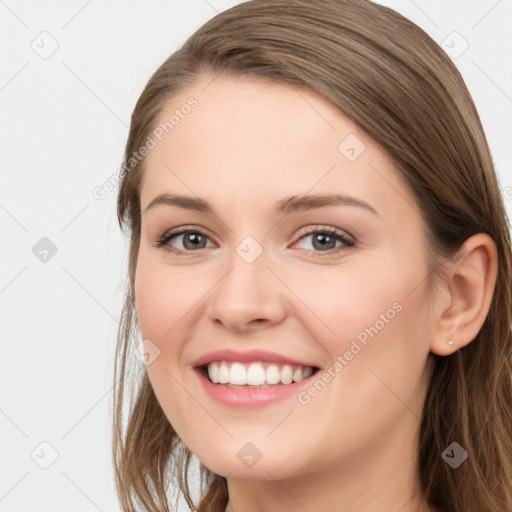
point(310, 229)
point(183, 230)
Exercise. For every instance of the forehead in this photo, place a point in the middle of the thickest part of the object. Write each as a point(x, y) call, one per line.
point(246, 116)
point(251, 139)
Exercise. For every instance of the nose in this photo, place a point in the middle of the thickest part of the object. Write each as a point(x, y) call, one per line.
point(248, 297)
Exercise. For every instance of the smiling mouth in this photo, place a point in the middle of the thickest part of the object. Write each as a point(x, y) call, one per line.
point(257, 374)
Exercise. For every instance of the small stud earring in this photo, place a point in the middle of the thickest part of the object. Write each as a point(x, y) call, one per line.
point(450, 342)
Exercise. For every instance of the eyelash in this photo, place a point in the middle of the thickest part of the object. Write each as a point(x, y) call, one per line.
point(347, 242)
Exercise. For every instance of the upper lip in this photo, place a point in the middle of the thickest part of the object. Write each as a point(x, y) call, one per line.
point(245, 357)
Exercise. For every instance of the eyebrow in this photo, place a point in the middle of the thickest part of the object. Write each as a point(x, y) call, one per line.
point(283, 206)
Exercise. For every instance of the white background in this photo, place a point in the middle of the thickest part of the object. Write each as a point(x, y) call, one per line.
point(64, 125)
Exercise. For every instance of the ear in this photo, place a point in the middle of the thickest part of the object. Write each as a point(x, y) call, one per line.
point(463, 299)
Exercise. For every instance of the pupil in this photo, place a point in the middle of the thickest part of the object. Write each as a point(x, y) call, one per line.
point(194, 240)
point(323, 241)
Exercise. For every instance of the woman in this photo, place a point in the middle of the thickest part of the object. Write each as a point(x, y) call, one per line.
point(341, 340)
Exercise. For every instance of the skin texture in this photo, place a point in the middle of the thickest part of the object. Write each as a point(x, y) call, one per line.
point(246, 145)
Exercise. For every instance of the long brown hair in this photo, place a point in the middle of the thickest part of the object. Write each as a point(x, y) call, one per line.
point(391, 79)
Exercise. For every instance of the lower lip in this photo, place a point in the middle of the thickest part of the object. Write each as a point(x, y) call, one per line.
point(250, 397)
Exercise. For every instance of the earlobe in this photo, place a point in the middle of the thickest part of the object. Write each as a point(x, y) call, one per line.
point(468, 292)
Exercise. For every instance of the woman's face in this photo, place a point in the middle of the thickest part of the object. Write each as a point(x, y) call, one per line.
point(309, 256)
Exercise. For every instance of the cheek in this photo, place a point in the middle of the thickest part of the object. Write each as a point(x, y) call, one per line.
point(162, 300)
point(341, 304)
point(382, 338)
point(370, 318)
point(374, 327)
point(163, 297)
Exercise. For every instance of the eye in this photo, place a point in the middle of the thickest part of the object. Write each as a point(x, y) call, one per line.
point(325, 240)
point(321, 240)
point(191, 240)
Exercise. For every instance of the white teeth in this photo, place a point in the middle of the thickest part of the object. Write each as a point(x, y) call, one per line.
point(297, 375)
point(307, 372)
point(224, 373)
point(237, 374)
point(286, 374)
point(256, 374)
point(273, 376)
point(213, 373)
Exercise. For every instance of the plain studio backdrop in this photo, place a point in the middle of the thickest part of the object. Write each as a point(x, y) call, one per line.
point(70, 74)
